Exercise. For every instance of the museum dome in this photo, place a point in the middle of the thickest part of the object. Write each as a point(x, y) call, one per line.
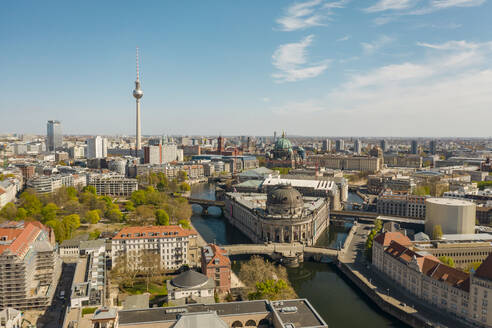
point(284, 200)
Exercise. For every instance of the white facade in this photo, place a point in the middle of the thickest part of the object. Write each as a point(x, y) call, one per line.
point(97, 147)
point(170, 153)
point(8, 190)
point(176, 246)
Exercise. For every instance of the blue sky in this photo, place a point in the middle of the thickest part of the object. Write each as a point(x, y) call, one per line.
point(328, 68)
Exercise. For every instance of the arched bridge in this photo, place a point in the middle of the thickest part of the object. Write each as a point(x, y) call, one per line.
point(205, 203)
point(293, 253)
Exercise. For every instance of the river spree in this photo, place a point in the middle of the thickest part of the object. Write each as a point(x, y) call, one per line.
point(333, 297)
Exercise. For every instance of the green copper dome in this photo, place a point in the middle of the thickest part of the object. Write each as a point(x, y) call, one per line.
point(283, 143)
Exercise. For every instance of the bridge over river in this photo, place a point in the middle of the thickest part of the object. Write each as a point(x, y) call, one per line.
point(288, 253)
point(360, 215)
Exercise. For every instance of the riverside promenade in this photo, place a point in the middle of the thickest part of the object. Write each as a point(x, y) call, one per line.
point(388, 296)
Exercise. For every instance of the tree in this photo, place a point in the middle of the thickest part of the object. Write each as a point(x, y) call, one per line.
point(9, 211)
point(150, 264)
point(92, 217)
point(49, 212)
point(271, 289)
point(161, 217)
point(185, 224)
point(145, 211)
point(378, 225)
point(90, 189)
point(139, 197)
point(58, 229)
point(447, 260)
point(70, 224)
point(31, 203)
point(129, 206)
point(21, 214)
point(182, 176)
point(94, 234)
point(437, 232)
point(184, 186)
point(115, 215)
point(472, 266)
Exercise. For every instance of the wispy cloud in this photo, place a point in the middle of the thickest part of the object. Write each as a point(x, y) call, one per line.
point(452, 45)
point(291, 61)
point(454, 77)
point(344, 38)
point(383, 5)
point(397, 8)
point(456, 3)
point(308, 14)
point(370, 48)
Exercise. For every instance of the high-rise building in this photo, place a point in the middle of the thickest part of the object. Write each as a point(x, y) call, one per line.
point(97, 147)
point(153, 154)
point(384, 145)
point(274, 136)
point(340, 145)
point(54, 135)
point(357, 146)
point(138, 93)
point(221, 144)
point(326, 145)
point(433, 147)
point(415, 147)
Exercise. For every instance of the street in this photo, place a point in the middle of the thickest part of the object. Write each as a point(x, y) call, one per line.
point(54, 315)
point(355, 258)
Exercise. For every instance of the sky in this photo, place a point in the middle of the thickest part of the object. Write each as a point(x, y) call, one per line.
point(315, 68)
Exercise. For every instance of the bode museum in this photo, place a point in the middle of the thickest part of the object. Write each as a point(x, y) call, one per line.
point(282, 215)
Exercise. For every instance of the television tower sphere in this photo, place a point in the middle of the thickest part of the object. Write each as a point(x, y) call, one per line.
point(137, 93)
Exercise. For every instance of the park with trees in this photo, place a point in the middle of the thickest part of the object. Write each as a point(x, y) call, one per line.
point(70, 212)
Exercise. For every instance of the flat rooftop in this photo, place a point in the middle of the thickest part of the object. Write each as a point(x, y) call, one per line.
point(171, 313)
point(298, 312)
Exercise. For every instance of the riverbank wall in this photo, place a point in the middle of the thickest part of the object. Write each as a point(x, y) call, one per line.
point(411, 319)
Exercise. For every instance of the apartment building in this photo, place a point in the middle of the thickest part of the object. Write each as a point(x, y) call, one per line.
point(405, 205)
point(174, 245)
point(444, 288)
point(45, 184)
point(112, 184)
point(29, 265)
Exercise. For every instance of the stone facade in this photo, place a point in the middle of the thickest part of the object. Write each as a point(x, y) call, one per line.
point(260, 218)
point(444, 288)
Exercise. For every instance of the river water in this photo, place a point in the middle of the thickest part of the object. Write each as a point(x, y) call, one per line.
point(335, 299)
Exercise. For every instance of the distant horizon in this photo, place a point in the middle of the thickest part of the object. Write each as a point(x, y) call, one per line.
point(255, 136)
point(311, 67)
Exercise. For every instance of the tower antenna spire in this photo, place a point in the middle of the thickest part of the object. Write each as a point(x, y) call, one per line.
point(138, 74)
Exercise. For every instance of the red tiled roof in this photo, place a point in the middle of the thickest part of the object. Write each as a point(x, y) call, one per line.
point(449, 275)
point(484, 271)
point(386, 238)
point(220, 254)
point(154, 232)
point(430, 266)
point(19, 239)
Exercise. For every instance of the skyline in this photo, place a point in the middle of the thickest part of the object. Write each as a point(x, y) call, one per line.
point(313, 68)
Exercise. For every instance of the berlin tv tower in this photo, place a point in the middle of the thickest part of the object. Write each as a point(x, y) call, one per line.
point(138, 93)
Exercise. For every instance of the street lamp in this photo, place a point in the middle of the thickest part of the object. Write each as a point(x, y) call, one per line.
point(388, 290)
